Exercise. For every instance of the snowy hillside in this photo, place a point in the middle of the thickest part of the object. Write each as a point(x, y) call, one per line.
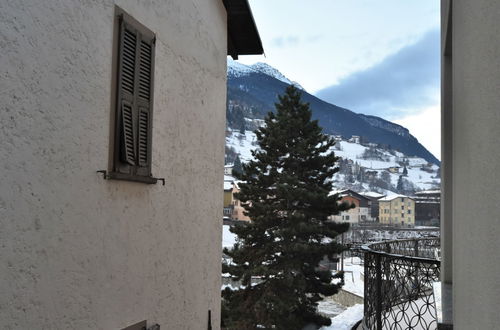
point(236, 69)
point(363, 167)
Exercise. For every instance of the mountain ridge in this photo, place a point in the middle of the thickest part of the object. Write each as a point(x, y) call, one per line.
point(252, 93)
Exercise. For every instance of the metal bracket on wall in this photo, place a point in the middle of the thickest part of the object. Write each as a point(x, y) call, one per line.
point(118, 176)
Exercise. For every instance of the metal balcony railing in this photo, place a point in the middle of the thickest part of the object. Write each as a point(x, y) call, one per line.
point(398, 284)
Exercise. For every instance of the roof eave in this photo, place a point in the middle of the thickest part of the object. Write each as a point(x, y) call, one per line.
point(242, 35)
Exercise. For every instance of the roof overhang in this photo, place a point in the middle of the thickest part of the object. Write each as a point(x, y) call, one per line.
point(242, 34)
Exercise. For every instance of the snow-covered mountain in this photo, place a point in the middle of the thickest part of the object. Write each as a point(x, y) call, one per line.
point(236, 69)
point(363, 167)
point(252, 91)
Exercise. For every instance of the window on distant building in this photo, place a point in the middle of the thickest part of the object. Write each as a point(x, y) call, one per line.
point(409, 211)
point(134, 101)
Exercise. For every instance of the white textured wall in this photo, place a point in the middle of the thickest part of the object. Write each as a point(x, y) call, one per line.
point(475, 160)
point(79, 252)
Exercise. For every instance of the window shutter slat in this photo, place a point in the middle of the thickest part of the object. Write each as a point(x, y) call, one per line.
point(144, 93)
point(128, 54)
point(144, 128)
point(145, 71)
point(127, 145)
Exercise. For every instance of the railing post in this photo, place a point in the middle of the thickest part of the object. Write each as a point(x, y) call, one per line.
point(416, 248)
point(378, 288)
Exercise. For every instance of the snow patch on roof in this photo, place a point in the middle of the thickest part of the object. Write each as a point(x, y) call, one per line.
point(372, 194)
point(394, 196)
point(228, 185)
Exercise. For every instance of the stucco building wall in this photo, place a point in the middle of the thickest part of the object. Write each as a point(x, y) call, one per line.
point(351, 215)
point(80, 252)
point(471, 154)
point(391, 210)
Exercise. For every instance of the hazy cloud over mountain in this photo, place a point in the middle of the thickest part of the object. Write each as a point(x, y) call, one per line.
point(401, 84)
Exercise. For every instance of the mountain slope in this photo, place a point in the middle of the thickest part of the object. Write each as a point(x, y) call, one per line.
point(255, 90)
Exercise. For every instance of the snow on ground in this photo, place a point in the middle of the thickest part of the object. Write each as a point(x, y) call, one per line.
point(347, 319)
point(353, 270)
point(236, 69)
point(354, 151)
point(330, 308)
point(228, 238)
point(243, 144)
point(423, 179)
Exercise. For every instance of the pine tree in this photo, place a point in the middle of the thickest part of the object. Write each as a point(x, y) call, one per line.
point(400, 186)
point(287, 194)
point(405, 171)
point(237, 167)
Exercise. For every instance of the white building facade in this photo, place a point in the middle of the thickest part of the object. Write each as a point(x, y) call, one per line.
point(82, 252)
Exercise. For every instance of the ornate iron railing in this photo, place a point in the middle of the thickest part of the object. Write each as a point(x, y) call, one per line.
point(398, 284)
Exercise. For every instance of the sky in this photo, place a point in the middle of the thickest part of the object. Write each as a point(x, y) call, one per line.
point(376, 57)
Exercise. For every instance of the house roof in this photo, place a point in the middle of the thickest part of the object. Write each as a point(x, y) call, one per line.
point(428, 192)
point(242, 34)
point(391, 197)
point(229, 178)
point(373, 194)
point(228, 185)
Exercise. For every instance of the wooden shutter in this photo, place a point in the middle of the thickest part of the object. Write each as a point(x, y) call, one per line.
point(127, 88)
point(134, 98)
point(144, 102)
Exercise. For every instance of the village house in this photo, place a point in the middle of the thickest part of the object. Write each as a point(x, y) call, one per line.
point(237, 209)
point(355, 139)
point(397, 210)
point(233, 210)
point(113, 119)
point(228, 169)
point(361, 213)
point(374, 198)
point(394, 169)
point(427, 207)
point(228, 199)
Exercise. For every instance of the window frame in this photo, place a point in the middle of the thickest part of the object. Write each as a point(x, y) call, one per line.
point(141, 106)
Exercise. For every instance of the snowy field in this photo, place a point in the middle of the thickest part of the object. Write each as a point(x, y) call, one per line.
point(353, 276)
point(245, 143)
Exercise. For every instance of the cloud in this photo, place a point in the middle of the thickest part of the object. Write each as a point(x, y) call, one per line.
point(291, 41)
point(285, 41)
point(402, 84)
point(426, 127)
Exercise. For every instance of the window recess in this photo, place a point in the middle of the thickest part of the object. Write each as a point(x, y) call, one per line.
point(133, 125)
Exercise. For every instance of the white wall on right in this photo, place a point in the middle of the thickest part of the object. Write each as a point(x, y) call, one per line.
point(471, 145)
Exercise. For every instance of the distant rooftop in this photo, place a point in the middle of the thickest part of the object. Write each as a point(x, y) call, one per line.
point(391, 197)
point(372, 194)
